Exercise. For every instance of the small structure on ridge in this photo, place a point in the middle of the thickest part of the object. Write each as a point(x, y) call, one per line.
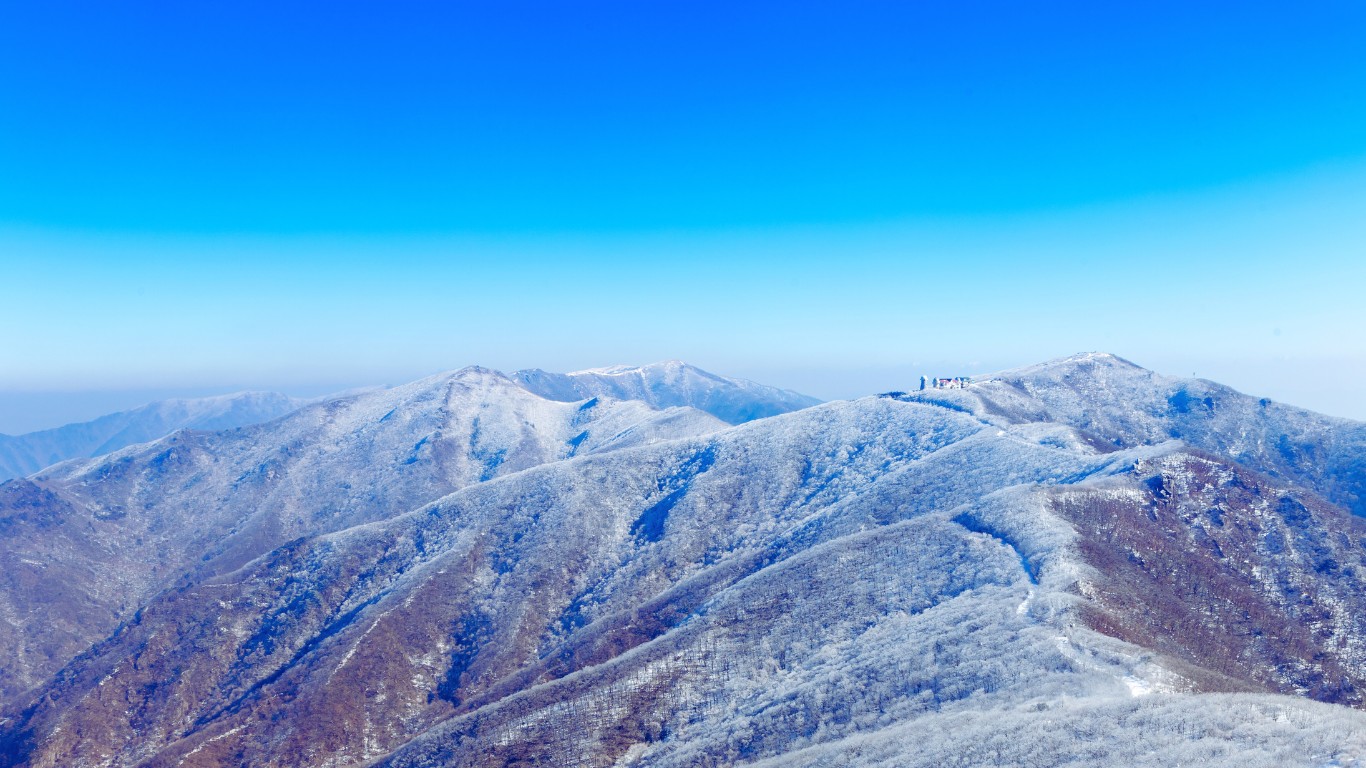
point(955, 382)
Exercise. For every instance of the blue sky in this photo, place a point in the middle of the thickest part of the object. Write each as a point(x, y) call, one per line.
point(833, 197)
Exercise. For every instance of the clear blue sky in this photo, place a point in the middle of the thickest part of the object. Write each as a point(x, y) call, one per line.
point(834, 197)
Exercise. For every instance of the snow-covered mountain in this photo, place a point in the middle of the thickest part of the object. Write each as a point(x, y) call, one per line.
point(668, 384)
point(1125, 405)
point(83, 544)
point(459, 572)
point(25, 454)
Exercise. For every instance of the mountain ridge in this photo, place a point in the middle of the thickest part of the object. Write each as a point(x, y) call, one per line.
point(1035, 561)
point(133, 520)
point(669, 383)
point(1124, 404)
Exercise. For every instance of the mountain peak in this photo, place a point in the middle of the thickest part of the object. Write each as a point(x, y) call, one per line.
point(476, 372)
point(1093, 357)
point(663, 366)
point(1105, 359)
point(1082, 363)
point(667, 384)
point(470, 374)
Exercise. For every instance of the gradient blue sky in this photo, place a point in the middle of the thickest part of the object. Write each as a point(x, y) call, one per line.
point(202, 197)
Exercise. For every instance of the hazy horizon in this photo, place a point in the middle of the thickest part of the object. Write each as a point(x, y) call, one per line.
point(23, 412)
point(203, 199)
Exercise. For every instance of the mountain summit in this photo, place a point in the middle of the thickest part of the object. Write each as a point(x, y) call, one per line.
point(1123, 405)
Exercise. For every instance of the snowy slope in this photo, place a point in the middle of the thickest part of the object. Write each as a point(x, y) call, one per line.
point(25, 454)
point(835, 586)
point(1037, 570)
point(1125, 405)
point(85, 542)
point(667, 384)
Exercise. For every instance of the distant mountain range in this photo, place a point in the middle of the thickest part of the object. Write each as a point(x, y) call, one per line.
point(25, 454)
point(1075, 563)
point(661, 385)
point(666, 385)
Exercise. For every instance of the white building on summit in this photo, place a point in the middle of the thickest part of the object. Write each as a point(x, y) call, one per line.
point(956, 382)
